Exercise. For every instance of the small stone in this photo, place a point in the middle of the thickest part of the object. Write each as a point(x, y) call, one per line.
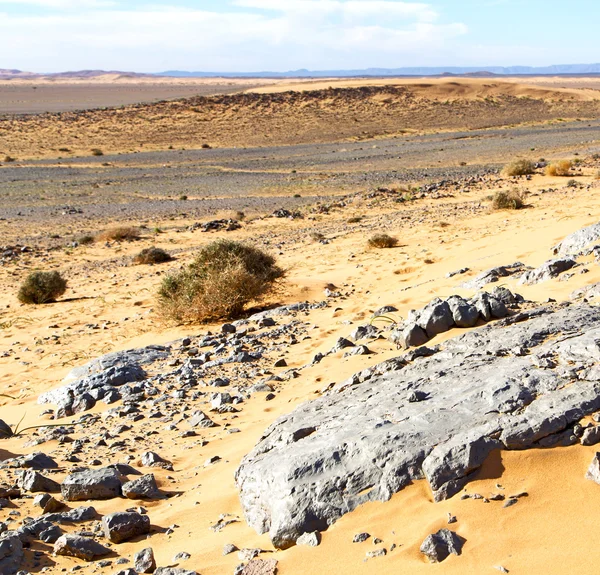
point(260, 567)
point(438, 546)
point(310, 539)
point(360, 537)
point(143, 561)
point(229, 549)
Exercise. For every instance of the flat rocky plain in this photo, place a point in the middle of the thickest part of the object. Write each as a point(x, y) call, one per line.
point(304, 424)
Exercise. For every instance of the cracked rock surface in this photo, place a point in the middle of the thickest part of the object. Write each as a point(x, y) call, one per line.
point(519, 383)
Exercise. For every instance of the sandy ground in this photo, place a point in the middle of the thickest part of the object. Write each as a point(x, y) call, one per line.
point(550, 531)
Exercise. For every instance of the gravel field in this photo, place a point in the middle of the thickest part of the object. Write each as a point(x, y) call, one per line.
point(145, 185)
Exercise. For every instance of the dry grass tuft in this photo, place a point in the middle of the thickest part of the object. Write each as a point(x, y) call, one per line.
point(152, 256)
point(219, 283)
point(560, 168)
point(519, 168)
point(382, 241)
point(42, 287)
point(512, 200)
point(120, 234)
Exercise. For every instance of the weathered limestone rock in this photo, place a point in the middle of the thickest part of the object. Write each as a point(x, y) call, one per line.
point(494, 275)
point(548, 270)
point(575, 243)
point(102, 483)
point(438, 546)
point(35, 482)
point(144, 562)
point(260, 567)
point(435, 318)
point(11, 553)
point(142, 488)
point(81, 547)
point(365, 440)
point(122, 526)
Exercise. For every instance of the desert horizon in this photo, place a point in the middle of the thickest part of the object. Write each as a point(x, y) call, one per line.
point(342, 319)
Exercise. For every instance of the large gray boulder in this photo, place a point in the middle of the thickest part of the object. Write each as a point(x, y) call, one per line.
point(548, 270)
point(11, 553)
point(122, 526)
point(84, 548)
point(435, 318)
point(575, 243)
point(35, 482)
point(464, 314)
point(492, 388)
point(104, 483)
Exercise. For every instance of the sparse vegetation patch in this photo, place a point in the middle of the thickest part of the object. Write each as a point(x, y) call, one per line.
point(225, 277)
point(152, 255)
point(382, 241)
point(520, 168)
point(42, 287)
point(511, 200)
point(120, 234)
point(560, 168)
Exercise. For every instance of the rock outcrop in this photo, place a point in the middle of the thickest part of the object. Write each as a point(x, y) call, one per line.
point(575, 243)
point(521, 382)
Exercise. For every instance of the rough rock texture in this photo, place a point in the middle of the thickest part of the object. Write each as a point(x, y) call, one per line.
point(98, 379)
point(515, 384)
point(438, 546)
point(142, 488)
point(102, 483)
point(35, 482)
point(173, 571)
point(548, 270)
point(575, 243)
point(11, 553)
point(493, 275)
point(144, 561)
point(122, 526)
point(81, 547)
point(593, 472)
point(260, 567)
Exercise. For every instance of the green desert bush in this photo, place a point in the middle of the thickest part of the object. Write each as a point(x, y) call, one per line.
point(560, 168)
point(224, 277)
point(512, 200)
point(520, 168)
point(152, 256)
point(120, 234)
point(382, 241)
point(42, 287)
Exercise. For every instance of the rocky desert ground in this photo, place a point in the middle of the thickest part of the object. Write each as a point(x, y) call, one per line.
point(433, 406)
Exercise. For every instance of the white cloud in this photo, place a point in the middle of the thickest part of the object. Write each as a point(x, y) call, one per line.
point(290, 34)
point(62, 4)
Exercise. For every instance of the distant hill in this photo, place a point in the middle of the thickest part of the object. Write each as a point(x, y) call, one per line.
point(568, 69)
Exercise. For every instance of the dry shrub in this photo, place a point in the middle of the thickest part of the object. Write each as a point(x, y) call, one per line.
point(152, 256)
point(85, 240)
point(219, 283)
point(520, 168)
point(97, 152)
point(317, 236)
point(512, 200)
point(42, 287)
point(355, 219)
point(382, 241)
point(120, 234)
point(560, 168)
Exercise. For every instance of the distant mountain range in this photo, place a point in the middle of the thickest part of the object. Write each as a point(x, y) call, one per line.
point(566, 70)
point(569, 69)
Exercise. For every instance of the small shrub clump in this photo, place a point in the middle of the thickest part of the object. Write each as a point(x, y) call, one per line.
point(85, 240)
point(152, 256)
point(520, 168)
point(42, 287)
point(120, 234)
point(561, 168)
point(382, 241)
point(225, 277)
point(512, 200)
point(97, 152)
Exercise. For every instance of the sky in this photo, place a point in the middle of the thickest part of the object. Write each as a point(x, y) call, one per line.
point(282, 35)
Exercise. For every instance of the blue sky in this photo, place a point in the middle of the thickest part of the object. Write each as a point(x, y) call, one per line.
point(253, 35)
